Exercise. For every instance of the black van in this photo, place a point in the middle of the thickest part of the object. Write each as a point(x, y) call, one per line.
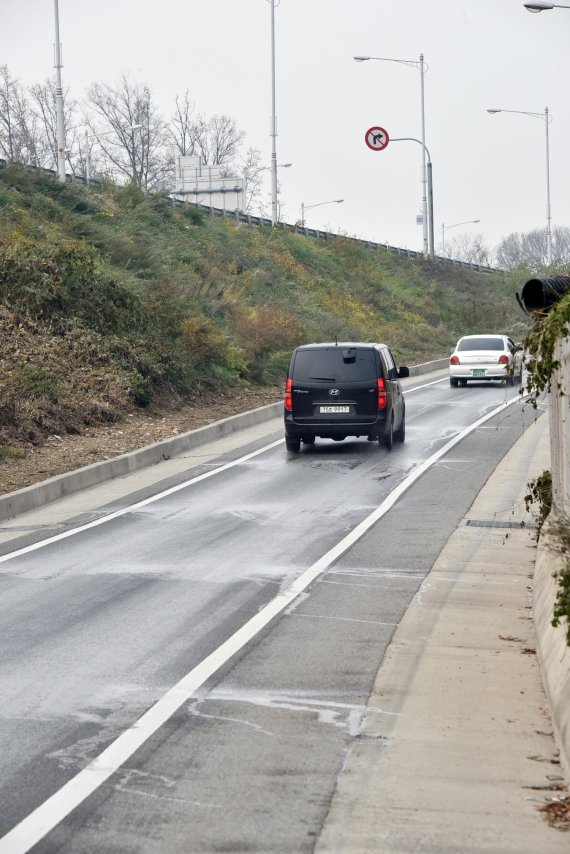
point(340, 390)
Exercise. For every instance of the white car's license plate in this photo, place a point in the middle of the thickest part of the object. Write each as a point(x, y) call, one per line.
point(478, 372)
point(333, 410)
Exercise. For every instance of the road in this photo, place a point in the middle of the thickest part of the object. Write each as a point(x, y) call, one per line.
point(96, 628)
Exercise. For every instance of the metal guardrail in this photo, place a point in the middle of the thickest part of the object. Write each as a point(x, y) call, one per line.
point(263, 222)
point(78, 179)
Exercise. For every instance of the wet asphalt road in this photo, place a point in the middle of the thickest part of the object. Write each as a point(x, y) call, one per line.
point(97, 627)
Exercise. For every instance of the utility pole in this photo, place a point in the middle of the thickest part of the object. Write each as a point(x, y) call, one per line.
point(274, 217)
point(60, 125)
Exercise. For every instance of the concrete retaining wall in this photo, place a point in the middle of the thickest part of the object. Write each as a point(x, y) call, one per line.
point(560, 426)
point(553, 653)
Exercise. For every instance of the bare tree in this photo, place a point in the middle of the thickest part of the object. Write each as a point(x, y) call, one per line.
point(10, 93)
point(561, 245)
point(249, 166)
point(218, 139)
point(130, 131)
point(42, 97)
point(183, 130)
point(530, 248)
point(20, 137)
point(470, 248)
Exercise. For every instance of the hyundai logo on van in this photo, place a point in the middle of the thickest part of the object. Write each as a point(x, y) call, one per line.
point(334, 391)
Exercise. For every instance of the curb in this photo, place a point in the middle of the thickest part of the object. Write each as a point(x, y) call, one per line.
point(427, 367)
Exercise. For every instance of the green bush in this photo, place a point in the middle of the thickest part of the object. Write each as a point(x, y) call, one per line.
point(37, 381)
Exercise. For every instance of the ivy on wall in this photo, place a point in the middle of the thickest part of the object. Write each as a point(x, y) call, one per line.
point(548, 328)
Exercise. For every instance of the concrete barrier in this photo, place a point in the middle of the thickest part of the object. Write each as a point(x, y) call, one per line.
point(37, 495)
point(553, 653)
point(428, 367)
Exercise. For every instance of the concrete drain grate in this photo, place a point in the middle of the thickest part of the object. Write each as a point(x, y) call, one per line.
point(493, 523)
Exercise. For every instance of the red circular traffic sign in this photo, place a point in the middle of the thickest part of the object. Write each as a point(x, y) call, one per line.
point(376, 138)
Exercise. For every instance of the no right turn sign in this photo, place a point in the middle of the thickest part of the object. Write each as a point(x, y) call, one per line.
point(376, 138)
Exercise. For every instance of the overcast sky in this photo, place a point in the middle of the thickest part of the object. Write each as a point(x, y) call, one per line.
point(481, 53)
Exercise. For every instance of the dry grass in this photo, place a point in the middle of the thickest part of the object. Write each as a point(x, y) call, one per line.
point(65, 452)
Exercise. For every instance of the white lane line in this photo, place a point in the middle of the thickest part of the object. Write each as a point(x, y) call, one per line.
point(145, 502)
point(425, 385)
point(103, 519)
point(42, 820)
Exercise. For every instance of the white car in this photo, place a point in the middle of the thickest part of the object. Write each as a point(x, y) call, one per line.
point(486, 357)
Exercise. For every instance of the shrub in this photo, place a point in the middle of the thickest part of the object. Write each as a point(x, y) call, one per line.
point(37, 381)
point(263, 331)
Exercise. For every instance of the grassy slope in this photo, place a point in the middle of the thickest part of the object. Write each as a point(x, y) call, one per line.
point(109, 299)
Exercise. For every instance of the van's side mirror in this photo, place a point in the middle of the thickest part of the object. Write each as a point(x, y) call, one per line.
point(403, 372)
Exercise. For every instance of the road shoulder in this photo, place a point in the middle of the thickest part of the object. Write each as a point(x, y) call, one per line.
point(465, 736)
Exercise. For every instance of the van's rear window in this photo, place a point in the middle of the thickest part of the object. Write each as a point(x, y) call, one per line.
point(332, 366)
point(481, 344)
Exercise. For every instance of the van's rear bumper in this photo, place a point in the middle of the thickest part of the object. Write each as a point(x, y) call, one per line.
point(334, 429)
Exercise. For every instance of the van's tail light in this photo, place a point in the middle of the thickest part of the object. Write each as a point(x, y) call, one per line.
point(454, 360)
point(503, 360)
point(289, 395)
point(381, 394)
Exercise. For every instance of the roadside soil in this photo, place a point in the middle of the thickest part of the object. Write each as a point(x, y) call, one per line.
point(140, 428)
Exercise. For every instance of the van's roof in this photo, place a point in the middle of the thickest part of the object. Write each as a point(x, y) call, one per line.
point(344, 344)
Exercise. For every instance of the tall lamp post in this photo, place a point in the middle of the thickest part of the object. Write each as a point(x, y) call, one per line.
point(305, 207)
point(422, 66)
point(59, 120)
point(445, 228)
point(546, 118)
point(273, 167)
point(429, 187)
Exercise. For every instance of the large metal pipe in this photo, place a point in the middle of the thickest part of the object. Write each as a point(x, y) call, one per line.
point(539, 295)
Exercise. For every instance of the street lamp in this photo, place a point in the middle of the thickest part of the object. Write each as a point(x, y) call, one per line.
point(546, 118)
point(305, 207)
point(59, 119)
point(422, 66)
point(279, 166)
point(543, 7)
point(97, 136)
point(445, 228)
point(429, 185)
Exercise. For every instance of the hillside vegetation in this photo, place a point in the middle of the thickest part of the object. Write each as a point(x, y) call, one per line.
point(110, 299)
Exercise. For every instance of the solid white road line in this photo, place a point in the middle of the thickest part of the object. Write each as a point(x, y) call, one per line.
point(103, 519)
point(42, 820)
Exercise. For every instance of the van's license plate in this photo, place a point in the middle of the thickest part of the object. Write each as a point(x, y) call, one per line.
point(333, 410)
point(478, 372)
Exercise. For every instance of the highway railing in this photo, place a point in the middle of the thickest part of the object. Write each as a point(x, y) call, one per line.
point(297, 228)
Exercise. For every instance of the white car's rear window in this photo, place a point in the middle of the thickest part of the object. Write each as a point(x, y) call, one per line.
point(481, 344)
